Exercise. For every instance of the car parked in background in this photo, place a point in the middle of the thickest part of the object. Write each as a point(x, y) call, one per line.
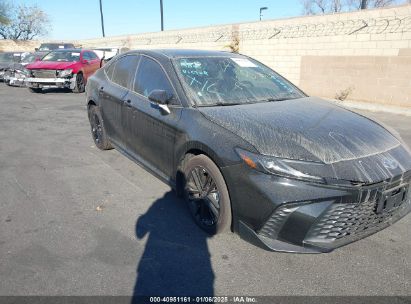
point(249, 151)
point(16, 73)
point(47, 47)
point(8, 59)
point(63, 69)
point(107, 53)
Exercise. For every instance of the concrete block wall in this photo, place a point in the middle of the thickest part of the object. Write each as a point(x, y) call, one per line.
point(324, 55)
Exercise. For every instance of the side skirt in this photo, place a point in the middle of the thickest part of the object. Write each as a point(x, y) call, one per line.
point(145, 165)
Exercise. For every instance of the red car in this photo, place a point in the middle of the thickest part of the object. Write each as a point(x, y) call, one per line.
point(63, 68)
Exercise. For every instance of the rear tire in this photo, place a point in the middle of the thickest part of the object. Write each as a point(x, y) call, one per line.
point(98, 132)
point(80, 85)
point(206, 194)
point(35, 90)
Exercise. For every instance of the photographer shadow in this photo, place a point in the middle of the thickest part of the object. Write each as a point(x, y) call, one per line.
point(176, 260)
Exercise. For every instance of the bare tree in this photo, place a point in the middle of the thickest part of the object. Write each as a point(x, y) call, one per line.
point(315, 7)
point(24, 23)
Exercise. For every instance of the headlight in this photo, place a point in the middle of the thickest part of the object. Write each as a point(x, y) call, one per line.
point(280, 166)
point(65, 73)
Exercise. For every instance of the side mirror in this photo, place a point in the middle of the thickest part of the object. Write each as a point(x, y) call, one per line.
point(85, 61)
point(161, 98)
point(36, 49)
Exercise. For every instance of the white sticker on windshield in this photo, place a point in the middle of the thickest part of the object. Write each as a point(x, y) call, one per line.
point(243, 62)
point(61, 46)
point(75, 54)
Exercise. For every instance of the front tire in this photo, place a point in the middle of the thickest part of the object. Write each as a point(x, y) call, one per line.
point(80, 85)
point(206, 194)
point(98, 132)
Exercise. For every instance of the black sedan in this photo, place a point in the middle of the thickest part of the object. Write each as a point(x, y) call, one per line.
point(249, 151)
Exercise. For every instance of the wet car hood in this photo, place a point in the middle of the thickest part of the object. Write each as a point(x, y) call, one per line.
point(312, 129)
point(51, 65)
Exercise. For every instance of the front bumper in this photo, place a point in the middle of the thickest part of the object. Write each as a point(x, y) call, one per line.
point(35, 82)
point(288, 215)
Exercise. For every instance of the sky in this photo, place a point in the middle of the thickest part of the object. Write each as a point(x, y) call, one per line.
point(80, 19)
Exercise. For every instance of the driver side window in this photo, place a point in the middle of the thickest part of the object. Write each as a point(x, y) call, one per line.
point(150, 76)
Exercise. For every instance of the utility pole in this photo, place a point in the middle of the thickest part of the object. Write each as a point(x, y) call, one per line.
point(102, 19)
point(363, 4)
point(261, 10)
point(161, 12)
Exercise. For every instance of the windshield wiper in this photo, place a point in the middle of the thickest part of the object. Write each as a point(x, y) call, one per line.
point(272, 99)
point(221, 104)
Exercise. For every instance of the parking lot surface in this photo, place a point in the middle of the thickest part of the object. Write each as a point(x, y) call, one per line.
point(75, 220)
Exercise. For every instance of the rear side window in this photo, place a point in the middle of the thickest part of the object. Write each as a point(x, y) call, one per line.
point(86, 56)
point(110, 70)
point(150, 76)
point(124, 70)
point(93, 55)
point(89, 56)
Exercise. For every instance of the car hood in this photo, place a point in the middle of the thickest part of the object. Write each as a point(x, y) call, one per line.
point(51, 65)
point(312, 129)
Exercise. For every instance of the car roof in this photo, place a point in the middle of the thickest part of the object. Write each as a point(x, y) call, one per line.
point(176, 53)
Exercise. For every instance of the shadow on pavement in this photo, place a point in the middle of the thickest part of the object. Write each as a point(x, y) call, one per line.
point(56, 90)
point(176, 260)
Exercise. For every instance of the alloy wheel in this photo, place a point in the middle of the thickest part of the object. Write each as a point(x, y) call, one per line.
point(96, 128)
point(203, 197)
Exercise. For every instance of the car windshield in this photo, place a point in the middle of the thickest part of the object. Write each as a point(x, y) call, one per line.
point(68, 56)
point(9, 57)
point(227, 81)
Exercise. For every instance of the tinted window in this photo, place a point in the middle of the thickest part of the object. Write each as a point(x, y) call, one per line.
point(86, 56)
point(92, 55)
point(110, 70)
point(150, 76)
point(124, 70)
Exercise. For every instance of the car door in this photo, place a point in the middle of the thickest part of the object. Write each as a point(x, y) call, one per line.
point(85, 63)
point(94, 62)
point(150, 132)
point(113, 93)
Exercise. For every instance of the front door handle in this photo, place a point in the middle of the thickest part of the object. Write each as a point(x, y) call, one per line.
point(127, 102)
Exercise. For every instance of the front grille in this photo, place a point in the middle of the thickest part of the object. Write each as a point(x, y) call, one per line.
point(351, 220)
point(344, 223)
point(340, 223)
point(44, 73)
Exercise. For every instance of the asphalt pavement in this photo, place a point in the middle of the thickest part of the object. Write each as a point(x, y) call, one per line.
point(75, 220)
